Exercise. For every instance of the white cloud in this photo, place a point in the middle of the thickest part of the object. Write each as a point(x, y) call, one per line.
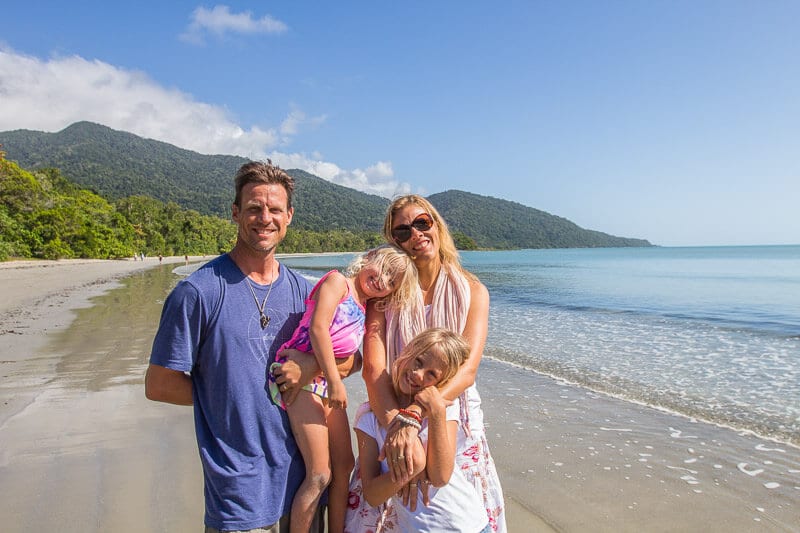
point(50, 95)
point(377, 179)
point(297, 118)
point(219, 21)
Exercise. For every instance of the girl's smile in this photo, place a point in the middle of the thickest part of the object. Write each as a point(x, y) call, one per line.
point(376, 284)
point(423, 371)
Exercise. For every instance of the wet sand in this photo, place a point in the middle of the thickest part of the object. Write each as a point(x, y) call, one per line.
point(81, 449)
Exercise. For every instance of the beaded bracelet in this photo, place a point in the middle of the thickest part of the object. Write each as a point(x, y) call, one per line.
point(408, 421)
point(411, 414)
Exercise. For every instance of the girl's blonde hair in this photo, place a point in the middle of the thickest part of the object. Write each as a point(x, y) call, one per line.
point(451, 347)
point(394, 262)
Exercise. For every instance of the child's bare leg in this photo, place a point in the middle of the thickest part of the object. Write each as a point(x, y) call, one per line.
point(307, 416)
point(342, 462)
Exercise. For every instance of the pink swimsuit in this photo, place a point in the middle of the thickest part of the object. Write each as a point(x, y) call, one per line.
point(346, 330)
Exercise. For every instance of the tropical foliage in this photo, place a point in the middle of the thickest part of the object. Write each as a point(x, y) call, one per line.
point(46, 216)
point(43, 215)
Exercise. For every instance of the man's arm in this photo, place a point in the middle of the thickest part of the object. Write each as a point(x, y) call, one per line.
point(162, 384)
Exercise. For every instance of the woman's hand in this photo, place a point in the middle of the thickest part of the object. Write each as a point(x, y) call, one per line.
point(403, 452)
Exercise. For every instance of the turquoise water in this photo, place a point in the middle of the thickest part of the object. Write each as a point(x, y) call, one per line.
point(712, 332)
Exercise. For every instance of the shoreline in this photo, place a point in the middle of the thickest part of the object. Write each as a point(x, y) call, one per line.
point(41, 298)
point(660, 408)
point(570, 459)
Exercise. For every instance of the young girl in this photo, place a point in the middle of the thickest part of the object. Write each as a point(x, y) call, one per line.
point(426, 364)
point(332, 329)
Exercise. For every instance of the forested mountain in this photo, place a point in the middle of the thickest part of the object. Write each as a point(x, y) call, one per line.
point(495, 223)
point(44, 215)
point(119, 165)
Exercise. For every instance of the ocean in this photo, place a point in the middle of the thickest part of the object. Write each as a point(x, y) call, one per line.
point(711, 333)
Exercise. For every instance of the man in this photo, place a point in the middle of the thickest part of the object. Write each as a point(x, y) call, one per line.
point(218, 334)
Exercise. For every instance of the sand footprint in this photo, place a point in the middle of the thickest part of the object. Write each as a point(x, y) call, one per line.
point(754, 472)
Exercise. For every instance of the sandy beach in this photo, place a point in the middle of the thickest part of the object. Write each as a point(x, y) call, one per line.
point(81, 449)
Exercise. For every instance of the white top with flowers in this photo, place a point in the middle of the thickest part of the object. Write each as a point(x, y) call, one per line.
point(455, 507)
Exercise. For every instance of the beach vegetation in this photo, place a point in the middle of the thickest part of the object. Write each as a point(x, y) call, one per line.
point(44, 215)
point(464, 241)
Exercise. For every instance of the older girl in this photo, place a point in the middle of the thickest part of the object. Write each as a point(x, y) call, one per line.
point(426, 364)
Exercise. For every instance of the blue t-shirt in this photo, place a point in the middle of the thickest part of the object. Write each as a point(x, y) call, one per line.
point(210, 326)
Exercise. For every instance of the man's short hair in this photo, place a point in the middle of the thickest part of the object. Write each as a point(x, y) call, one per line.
point(263, 172)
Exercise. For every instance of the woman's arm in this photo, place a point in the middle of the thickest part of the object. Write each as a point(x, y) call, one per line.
point(376, 376)
point(327, 297)
point(475, 331)
point(378, 487)
point(402, 442)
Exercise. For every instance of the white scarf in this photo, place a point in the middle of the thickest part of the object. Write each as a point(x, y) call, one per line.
point(449, 308)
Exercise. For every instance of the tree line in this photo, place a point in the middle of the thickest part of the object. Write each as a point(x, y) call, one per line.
point(44, 215)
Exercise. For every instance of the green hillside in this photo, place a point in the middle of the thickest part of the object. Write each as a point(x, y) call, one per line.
point(118, 165)
point(495, 223)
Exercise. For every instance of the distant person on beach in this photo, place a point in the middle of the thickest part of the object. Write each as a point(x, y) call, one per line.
point(219, 332)
point(186, 259)
point(425, 365)
point(332, 329)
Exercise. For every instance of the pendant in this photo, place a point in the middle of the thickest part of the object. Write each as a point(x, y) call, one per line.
point(264, 321)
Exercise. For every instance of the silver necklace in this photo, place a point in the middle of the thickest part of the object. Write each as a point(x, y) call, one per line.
point(264, 318)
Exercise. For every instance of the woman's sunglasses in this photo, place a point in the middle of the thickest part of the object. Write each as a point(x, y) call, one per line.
point(402, 233)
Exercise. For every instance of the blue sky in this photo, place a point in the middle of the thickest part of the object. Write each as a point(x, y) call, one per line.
point(673, 121)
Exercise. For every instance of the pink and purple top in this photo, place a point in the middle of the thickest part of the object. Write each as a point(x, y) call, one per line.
point(346, 330)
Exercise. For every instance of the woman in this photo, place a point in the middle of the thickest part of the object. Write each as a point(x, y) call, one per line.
point(449, 297)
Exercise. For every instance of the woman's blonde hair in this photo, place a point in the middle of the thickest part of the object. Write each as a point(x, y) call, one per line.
point(394, 262)
point(451, 347)
point(448, 253)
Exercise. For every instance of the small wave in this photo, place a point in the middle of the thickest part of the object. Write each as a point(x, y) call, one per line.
point(783, 429)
